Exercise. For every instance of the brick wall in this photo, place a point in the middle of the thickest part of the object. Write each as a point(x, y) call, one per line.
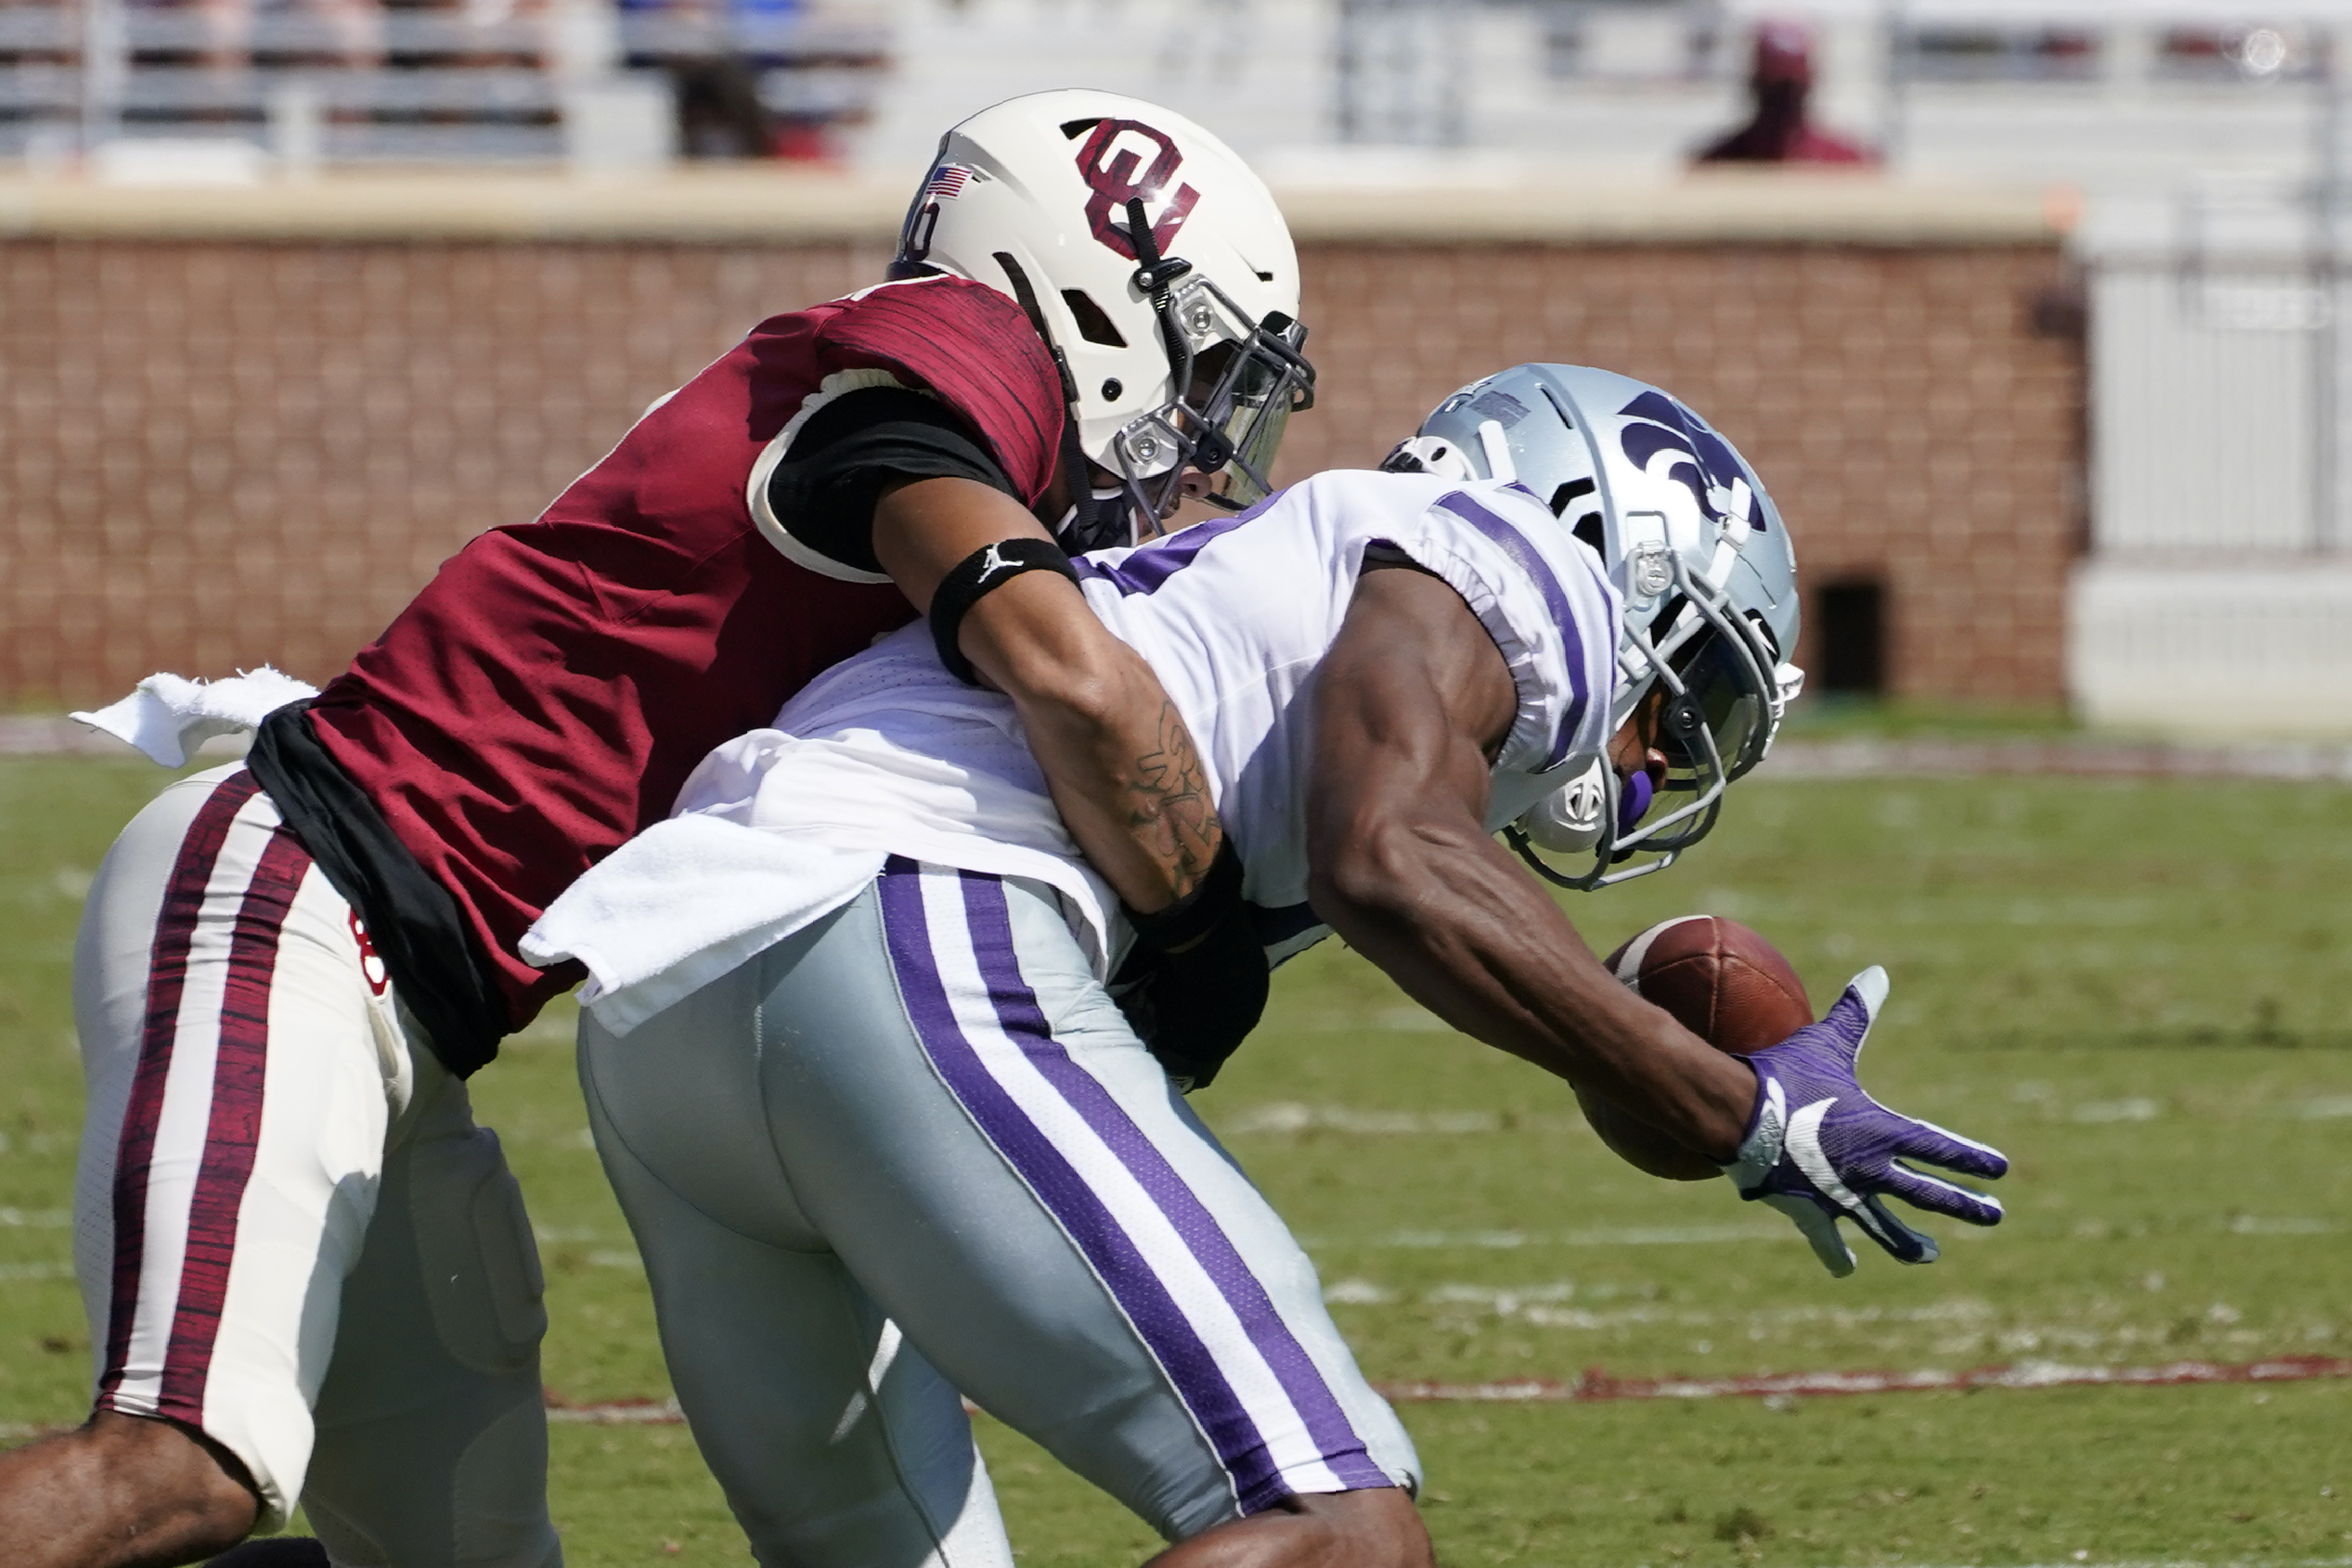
point(1898, 402)
point(217, 453)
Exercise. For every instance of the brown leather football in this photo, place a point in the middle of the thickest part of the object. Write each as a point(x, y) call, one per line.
point(1724, 983)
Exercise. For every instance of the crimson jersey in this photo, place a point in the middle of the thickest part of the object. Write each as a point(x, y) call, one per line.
point(545, 696)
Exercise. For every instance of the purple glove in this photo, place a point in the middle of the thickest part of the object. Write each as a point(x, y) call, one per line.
point(1818, 1148)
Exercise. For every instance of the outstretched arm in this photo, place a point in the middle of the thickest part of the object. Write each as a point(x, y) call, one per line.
point(1115, 755)
point(1410, 704)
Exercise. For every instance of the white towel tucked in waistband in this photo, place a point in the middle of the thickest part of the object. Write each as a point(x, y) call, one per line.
point(169, 716)
point(686, 902)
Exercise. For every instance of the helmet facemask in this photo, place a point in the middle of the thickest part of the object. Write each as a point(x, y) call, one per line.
point(1158, 271)
point(1235, 383)
point(1722, 691)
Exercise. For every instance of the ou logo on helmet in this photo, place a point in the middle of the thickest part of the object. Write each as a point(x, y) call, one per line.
point(1667, 441)
point(1109, 162)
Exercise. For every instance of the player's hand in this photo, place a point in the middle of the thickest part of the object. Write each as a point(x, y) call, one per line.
point(1818, 1148)
point(1194, 1008)
point(1196, 984)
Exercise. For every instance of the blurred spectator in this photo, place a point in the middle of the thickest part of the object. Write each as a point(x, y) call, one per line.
point(720, 114)
point(1778, 132)
point(715, 80)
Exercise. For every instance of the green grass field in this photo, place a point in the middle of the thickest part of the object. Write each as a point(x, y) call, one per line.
point(2137, 989)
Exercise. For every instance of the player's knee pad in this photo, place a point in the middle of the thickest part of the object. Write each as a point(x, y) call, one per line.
point(481, 1263)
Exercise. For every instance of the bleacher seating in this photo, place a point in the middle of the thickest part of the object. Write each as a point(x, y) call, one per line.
point(393, 82)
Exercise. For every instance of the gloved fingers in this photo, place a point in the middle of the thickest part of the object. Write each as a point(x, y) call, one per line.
point(1941, 1146)
point(1936, 1196)
point(1901, 1242)
point(1870, 988)
point(1816, 1224)
point(1850, 1017)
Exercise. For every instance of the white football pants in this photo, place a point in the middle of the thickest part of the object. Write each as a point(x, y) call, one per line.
point(289, 1233)
point(916, 1148)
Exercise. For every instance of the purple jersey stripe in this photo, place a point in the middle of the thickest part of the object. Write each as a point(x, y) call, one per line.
point(1146, 570)
point(1515, 544)
point(991, 924)
point(1107, 1248)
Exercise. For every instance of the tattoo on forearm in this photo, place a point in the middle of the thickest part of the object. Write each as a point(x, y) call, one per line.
point(1170, 809)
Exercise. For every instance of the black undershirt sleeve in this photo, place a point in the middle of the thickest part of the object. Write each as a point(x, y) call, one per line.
point(824, 489)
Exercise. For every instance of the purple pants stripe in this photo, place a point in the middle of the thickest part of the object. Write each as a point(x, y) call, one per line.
point(1192, 1369)
point(991, 923)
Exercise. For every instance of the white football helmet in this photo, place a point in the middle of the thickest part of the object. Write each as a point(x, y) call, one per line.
point(1706, 571)
point(1159, 273)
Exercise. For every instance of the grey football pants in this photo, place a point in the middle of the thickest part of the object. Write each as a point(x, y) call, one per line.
point(915, 1150)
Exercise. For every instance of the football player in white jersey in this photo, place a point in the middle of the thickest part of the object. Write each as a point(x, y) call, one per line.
point(885, 1137)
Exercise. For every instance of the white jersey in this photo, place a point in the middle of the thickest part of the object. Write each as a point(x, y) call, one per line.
point(889, 754)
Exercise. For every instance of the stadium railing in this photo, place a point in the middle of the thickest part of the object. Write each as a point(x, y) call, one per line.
point(387, 85)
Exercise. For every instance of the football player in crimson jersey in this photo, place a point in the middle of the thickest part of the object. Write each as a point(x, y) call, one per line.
point(307, 1272)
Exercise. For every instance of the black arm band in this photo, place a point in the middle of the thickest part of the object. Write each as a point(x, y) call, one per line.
point(975, 577)
point(1198, 912)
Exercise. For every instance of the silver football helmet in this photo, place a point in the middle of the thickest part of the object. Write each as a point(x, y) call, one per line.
point(1708, 577)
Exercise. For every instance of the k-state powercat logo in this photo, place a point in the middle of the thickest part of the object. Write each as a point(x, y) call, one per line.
point(1109, 162)
point(1670, 442)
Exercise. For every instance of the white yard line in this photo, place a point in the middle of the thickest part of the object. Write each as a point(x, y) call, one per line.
point(1598, 1387)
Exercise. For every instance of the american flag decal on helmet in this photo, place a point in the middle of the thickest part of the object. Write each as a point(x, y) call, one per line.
point(947, 182)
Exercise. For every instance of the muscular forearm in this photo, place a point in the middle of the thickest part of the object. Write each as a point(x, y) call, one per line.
point(1467, 934)
point(1122, 767)
point(1112, 744)
point(1414, 700)
point(1115, 755)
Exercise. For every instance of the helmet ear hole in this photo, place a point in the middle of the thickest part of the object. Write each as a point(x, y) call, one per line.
point(1094, 324)
point(1074, 129)
point(1588, 528)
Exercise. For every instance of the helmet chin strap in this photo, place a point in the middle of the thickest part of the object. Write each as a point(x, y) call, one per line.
point(1097, 519)
point(1154, 273)
point(1208, 450)
point(1103, 521)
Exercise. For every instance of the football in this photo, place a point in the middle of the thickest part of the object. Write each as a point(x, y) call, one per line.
point(1724, 983)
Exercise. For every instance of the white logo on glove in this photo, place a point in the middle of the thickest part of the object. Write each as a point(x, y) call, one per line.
point(1804, 1147)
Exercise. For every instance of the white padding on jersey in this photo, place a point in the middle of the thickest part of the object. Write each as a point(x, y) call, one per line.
point(755, 493)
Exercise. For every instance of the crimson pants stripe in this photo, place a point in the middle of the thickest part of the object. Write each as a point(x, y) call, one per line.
point(167, 975)
point(235, 1129)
